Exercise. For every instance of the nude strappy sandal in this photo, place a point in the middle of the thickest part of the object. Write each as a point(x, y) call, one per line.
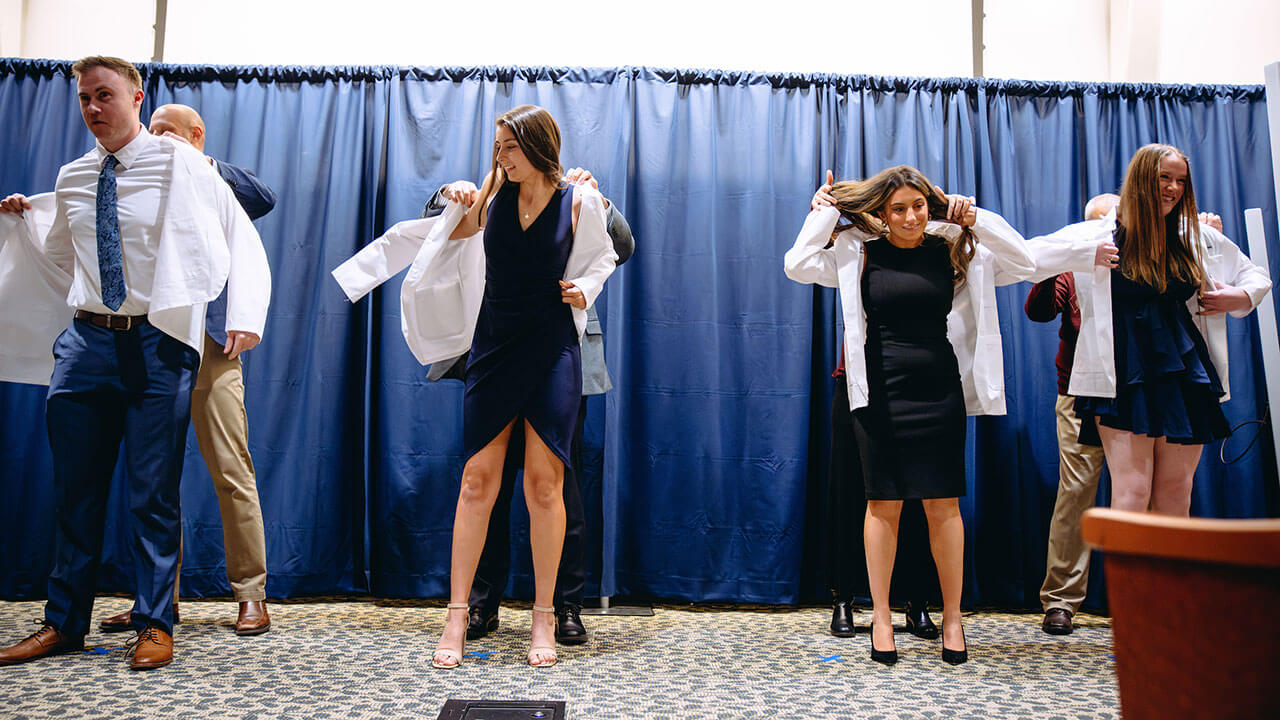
point(455, 655)
point(543, 648)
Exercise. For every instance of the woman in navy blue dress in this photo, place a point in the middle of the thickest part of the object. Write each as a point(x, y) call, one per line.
point(524, 373)
point(1165, 402)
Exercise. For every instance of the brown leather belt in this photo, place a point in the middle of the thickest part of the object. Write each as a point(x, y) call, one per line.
point(118, 323)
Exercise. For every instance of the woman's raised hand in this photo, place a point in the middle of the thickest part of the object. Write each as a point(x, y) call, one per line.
point(463, 192)
point(823, 197)
point(579, 176)
point(961, 210)
point(1213, 220)
point(15, 204)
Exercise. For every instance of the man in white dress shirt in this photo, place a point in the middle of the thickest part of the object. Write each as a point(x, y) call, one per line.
point(150, 233)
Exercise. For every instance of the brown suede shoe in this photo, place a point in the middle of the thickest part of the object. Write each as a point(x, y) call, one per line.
point(152, 648)
point(253, 618)
point(124, 621)
point(42, 643)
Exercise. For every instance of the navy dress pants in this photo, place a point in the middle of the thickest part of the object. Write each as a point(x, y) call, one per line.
point(495, 561)
point(110, 386)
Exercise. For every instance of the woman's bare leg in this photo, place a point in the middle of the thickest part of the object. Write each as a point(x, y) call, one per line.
point(481, 478)
point(946, 539)
point(1131, 460)
point(880, 536)
point(1175, 471)
point(544, 495)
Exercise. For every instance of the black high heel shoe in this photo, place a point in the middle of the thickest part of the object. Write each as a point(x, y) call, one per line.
point(842, 619)
point(918, 621)
point(956, 657)
point(886, 657)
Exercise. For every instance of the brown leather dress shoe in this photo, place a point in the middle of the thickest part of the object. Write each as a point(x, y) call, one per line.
point(124, 621)
point(152, 648)
point(253, 618)
point(1057, 621)
point(44, 642)
point(116, 623)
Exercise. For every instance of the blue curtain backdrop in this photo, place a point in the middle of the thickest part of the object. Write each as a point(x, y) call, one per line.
point(705, 476)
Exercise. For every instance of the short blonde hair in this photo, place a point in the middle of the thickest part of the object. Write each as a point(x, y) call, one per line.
point(123, 68)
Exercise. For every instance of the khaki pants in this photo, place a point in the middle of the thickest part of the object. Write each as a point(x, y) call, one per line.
point(1066, 576)
point(222, 429)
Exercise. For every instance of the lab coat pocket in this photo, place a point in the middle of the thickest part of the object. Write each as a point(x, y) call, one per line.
point(988, 368)
point(439, 310)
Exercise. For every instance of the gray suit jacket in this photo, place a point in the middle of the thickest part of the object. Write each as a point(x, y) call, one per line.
point(595, 376)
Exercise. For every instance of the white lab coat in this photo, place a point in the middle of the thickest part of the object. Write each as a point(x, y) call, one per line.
point(973, 326)
point(33, 292)
point(1093, 373)
point(206, 241)
point(441, 294)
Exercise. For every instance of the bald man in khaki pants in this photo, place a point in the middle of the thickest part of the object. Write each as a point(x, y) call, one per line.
point(217, 411)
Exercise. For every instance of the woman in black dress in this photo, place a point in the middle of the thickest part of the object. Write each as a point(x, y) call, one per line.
point(523, 378)
point(910, 383)
point(914, 579)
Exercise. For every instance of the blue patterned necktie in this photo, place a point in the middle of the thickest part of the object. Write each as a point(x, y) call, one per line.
point(110, 264)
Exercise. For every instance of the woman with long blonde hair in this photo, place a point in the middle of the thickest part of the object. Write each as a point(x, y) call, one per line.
point(916, 271)
point(1147, 381)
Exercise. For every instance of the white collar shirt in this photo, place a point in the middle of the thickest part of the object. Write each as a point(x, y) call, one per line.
point(142, 191)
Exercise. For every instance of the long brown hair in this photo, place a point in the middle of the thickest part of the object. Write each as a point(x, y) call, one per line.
point(861, 202)
point(538, 136)
point(1149, 255)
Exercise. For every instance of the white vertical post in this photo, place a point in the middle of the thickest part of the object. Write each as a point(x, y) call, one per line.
point(1258, 253)
point(1270, 340)
point(1273, 121)
point(162, 24)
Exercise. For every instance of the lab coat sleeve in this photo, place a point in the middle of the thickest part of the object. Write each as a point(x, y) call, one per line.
point(1240, 271)
point(383, 258)
point(249, 277)
point(810, 260)
point(1013, 259)
point(1071, 249)
point(593, 259)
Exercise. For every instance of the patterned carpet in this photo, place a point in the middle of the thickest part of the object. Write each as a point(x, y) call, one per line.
point(367, 659)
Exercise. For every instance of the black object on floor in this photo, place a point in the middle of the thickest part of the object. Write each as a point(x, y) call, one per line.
point(503, 710)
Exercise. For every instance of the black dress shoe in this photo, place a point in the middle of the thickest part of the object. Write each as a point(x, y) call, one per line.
point(569, 628)
point(956, 657)
point(918, 621)
point(1057, 621)
point(479, 624)
point(842, 619)
point(886, 657)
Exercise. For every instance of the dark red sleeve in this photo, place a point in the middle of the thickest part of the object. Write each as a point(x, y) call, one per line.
point(1043, 302)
